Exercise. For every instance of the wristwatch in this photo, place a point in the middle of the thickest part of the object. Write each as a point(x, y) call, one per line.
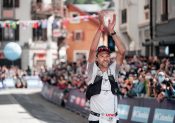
point(113, 33)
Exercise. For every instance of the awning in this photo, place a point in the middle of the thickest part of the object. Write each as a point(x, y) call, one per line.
point(167, 42)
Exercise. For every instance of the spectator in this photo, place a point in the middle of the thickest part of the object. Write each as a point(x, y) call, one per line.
point(62, 83)
point(138, 87)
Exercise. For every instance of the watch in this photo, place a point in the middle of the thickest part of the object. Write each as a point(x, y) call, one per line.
point(113, 33)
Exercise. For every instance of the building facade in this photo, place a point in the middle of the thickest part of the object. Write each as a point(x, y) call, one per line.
point(13, 11)
point(133, 25)
point(81, 30)
point(163, 27)
point(37, 40)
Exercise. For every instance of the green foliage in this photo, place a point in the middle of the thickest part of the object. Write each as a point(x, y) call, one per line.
point(81, 1)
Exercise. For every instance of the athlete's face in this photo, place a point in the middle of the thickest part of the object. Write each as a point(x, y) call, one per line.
point(103, 59)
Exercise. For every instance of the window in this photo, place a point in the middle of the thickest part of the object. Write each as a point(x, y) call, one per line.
point(16, 3)
point(164, 15)
point(164, 6)
point(10, 3)
point(146, 4)
point(124, 16)
point(39, 1)
point(78, 35)
point(146, 14)
point(74, 17)
point(39, 33)
point(9, 33)
point(80, 55)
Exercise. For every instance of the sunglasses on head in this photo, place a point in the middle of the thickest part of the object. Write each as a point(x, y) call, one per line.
point(103, 49)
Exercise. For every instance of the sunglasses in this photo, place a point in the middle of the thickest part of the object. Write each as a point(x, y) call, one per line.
point(103, 49)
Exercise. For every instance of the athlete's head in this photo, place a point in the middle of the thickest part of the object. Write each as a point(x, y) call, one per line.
point(103, 56)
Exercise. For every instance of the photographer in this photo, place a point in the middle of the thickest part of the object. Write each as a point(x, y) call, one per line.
point(163, 88)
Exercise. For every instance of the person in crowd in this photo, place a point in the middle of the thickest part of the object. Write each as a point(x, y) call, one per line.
point(138, 87)
point(164, 87)
point(62, 83)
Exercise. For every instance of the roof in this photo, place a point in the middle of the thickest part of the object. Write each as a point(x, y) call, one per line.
point(89, 7)
point(108, 5)
point(94, 20)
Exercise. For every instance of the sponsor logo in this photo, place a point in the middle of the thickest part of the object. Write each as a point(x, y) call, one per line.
point(123, 111)
point(163, 116)
point(140, 114)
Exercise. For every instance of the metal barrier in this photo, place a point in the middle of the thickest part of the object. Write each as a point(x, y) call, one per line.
point(9, 83)
point(33, 82)
point(29, 81)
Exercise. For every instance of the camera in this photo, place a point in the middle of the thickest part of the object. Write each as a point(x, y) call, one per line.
point(168, 83)
point(151, 81)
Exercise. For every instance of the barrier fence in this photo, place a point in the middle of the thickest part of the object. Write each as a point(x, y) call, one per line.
point(130, 110)
point(30, 81)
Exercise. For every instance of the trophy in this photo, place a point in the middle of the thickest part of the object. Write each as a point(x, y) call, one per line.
point(108, 15)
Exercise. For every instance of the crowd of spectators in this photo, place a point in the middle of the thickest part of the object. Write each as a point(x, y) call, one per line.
point(66, 75)
point(138, 77)
point(148, 77)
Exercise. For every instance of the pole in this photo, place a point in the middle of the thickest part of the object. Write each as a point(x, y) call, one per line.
point(151, 26)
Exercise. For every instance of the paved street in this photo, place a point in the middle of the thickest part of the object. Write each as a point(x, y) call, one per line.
point(28, 106)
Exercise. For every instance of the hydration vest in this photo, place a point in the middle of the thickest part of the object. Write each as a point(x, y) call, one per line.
point(95, 88)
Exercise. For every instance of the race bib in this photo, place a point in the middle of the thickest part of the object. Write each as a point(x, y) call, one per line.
point(107, 119)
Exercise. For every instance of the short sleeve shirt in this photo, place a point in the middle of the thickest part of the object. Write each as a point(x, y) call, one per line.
point(105, 102)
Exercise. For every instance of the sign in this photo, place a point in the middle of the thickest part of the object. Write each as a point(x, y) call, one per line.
point(123, 111)
point(163, 116)
point(56, 33)
point(1, 84)
point(77, 102)
point(140, 114)
point(9, 83)
point(33, 82)
point(8, 13)
point(57, 96)
point(52, 93)
point(142, 110)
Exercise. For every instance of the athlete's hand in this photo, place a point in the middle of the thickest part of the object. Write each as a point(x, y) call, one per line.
point(111, 25)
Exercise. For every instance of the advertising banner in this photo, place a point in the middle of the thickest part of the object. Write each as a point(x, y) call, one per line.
point(57, 96)
point(123, 111)
point(9, 83)
point(77, 102)
point(130, 110)
point(33, 82)
point(163, 116)
point(140, 114)
point(1, 84)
